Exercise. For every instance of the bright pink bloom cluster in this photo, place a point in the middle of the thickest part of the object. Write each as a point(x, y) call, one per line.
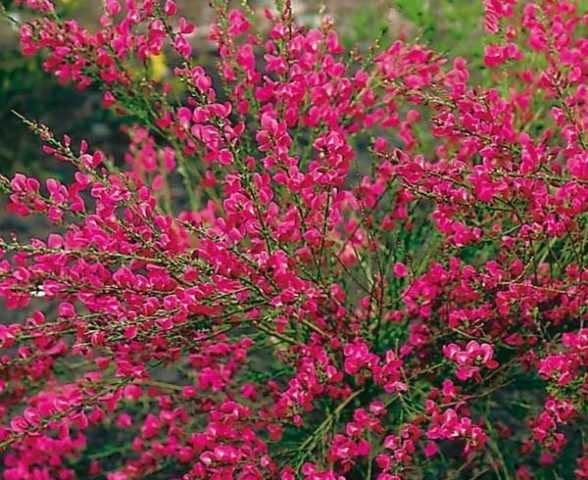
point(313, 264)
point(468, 359)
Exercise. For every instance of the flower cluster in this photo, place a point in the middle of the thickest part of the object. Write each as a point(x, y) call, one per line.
point(301, 253)
point(468, 358)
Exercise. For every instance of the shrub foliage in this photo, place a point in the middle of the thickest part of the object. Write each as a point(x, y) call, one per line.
point(314, 263)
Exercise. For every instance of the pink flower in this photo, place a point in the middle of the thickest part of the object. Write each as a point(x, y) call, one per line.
point(400, 270)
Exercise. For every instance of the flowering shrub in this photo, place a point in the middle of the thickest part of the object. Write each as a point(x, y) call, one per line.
point(309, 307)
